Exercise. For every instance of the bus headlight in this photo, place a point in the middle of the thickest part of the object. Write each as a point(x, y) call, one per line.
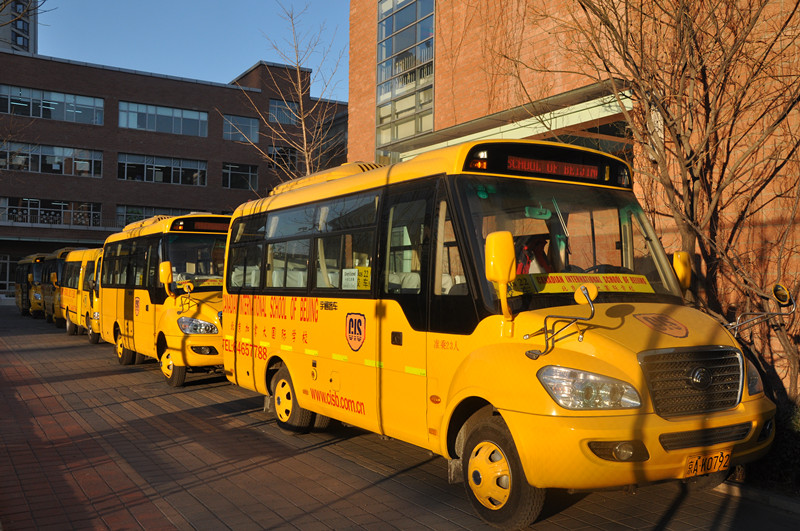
point(190, 325)
point(37, 296)
point(754, 383)
point(574, 389)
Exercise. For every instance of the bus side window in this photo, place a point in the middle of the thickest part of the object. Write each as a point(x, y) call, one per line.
point(406, 239)
point(452, 308)
point(407, 236)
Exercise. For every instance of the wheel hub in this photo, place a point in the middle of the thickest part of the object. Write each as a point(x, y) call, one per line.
point(489, 475)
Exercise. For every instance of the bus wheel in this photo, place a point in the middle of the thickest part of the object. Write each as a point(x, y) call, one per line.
point(175, 374)
point(124, 355)
point(94, 337)
point(289, 415)
point(72, 328)
point(48, 317)
point(495, 482)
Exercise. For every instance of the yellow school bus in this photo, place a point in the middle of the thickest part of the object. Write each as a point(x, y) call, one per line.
point(52, 276)
point(80, 293)
point(389, 298)
point(28, 284)
point(161, 292)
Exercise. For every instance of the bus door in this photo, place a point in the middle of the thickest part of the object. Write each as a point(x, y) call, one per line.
point(245, 271)
point(140, 308)
point(85, 291)
point(402, 308)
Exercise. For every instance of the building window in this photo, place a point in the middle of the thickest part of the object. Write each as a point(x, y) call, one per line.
point(282, 158)
point(240, 129)
point(51, 105)
point(284, 112)
point(163, 119)
point(154, 169)
point(51, 159)
point(21, 41)
point(50, 212)
point(404, 70)
point(131, 213)
point(239, 176)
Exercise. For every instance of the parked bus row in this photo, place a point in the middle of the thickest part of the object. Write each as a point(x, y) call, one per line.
point(503, 304)
point(154, 290)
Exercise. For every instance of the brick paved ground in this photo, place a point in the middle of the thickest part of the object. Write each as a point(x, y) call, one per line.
point(88, 444)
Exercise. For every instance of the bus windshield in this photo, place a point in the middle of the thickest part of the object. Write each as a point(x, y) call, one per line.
point(37, 272)
point(197, 258)
point(566, 235)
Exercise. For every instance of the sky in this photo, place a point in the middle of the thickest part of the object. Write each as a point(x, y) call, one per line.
point(207, 40)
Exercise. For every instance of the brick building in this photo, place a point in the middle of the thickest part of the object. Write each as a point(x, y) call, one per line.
point(430, 77)
point(85, 149)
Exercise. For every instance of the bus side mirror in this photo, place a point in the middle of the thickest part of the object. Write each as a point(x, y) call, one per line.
point(30, 278)
point(165, 277)
point(54, 279)
point(782, 295)
point(501, 265)
point(683, 268)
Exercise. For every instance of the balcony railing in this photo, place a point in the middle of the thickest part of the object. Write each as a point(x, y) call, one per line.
point(53, 218)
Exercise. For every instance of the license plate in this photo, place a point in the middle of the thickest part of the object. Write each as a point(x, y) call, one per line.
point(698, 465)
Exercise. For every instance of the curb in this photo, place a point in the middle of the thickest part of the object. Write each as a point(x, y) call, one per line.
point(763, 497)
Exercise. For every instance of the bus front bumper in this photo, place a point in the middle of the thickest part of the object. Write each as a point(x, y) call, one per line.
point(195, 350)
point(556, 452)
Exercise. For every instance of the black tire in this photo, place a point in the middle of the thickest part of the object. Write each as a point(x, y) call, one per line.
point(288, 414)
point(48, 317)
point(124, 356)
point(174, 374)
point(94, 337)
point(321, 422)
point(707, 482)
point(503, 499)
point(72, 328)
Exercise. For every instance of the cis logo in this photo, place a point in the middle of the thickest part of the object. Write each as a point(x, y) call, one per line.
point(356, 328)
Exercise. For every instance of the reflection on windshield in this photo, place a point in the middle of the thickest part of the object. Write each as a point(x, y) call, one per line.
point(566, 235)
point(197, 258)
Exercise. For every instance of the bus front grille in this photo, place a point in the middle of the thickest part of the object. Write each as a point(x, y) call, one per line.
point(705, 438)
point(693, 381)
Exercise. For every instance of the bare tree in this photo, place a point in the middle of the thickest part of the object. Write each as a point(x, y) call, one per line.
point(9, 13)
point(304, 130)
point(715, 120)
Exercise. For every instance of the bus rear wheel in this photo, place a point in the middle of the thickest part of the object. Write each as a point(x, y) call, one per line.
point(495, 482)
point(124, 355)
point(288, 414)
point(72, 328)
point(175, 374)
point(94, 337)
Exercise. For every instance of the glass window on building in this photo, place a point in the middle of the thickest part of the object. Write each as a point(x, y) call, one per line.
point(404, 69)
point(284, 112)
point(240, 129)
point(239, 176)
point(282, 158)
point(51, 159)
point(131, 167)
point(24, 101)
point(163, 119)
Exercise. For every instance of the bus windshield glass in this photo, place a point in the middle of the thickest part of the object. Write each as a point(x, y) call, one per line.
point(197, 258)
point(37, 272)
point(565, 235)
